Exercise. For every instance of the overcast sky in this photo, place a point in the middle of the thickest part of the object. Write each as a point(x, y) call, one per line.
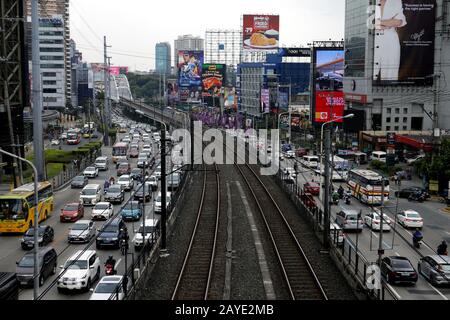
point(133, 27)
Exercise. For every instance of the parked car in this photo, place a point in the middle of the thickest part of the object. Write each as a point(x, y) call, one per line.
point(350, 220)
point(126, 182)
point(407, 192)
point(80, 271)
point(55, 142)
point(115, 194)
point(110, 233)
point(72, 212)
point(436, 269)
point(110, 288)
point(102, 211)
point(79, 182)
point(132, 211)
point(139, 194)
point(48, 266)
point(91, 172)
point(410, 219)
point(46, 235)
point(81, 232)
point(312, 188)
point(150, 232)
point(373, 221)
point(124, 168)
point(91, 194)
point(398, 270)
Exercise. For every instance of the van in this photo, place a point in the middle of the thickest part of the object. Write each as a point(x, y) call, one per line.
point(48, 266)
point(350, 220)
point(379, 156)
point(102, 163)
point(152, 227)
point(91, 195)
point(310, 161)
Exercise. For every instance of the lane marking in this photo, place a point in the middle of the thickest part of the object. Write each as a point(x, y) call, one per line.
point(64, 190)
point(397, 254)
point(263, 266)
point(440, 293)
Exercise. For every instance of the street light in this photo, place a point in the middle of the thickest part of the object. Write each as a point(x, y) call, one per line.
point(36, 223)
point(321, 147)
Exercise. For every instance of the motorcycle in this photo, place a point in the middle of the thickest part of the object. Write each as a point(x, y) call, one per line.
point(419, 197)
point(417, 242)
point(109, 270)
point(347, 200)
point(123, 246)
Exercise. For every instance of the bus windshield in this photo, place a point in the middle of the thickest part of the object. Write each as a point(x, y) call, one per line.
point(119, 151)
point(12, 209)
point(72, 136)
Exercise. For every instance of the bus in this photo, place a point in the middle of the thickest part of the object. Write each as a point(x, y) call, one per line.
point(367, 186)
point(120, 151)
point(73, 138)
point(18, 206)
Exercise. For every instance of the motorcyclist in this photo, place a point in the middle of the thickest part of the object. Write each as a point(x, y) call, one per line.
point(335, 197)
point(111, 262)
point(106, 186)
point(417, 237)
point(341, 192)
point(442, 249)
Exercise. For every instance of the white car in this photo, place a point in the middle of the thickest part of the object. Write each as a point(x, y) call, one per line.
point(55, 142)
point(102, 211)
point(151, 233)
point(81, 231)
point(126, 182)
point(413, 160)
point(147, 149)
point(110, 288)
point(372, 220)
point(80, 271)
point(158, 173)
point(410, 219)
point(290, 154)
point(159, 199)
point(153, 182)
point(91, 172)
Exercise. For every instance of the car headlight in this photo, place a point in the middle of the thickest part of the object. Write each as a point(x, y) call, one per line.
point(84, 277)
point(114, 239)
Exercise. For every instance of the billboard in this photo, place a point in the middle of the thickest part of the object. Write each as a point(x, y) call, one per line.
point(404, 42)
point(190, 64)
point(328, 97)
point(172, 92)
point(261, 32)
point(213, 78)
point(115, 71)
point(230, 98)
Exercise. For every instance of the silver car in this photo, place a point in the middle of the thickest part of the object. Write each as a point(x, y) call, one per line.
point(436, 269)
point(81, 232)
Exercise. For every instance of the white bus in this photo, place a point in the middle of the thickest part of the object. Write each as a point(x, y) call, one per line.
point(367, 185)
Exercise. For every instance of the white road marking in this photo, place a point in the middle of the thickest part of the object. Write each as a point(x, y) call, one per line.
point(117, 263)
point(397, 254)
point(440, 293)
point(447, 233)
point(399, 297)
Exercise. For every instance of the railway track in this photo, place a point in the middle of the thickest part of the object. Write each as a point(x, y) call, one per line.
point(194, 279)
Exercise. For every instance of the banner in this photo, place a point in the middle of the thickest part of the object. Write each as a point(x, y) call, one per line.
point(329, 105)
point(213, 76)
point(261, 32)
point(404, 42)
point(172, 92)
point(190, 64)
point(115, 71)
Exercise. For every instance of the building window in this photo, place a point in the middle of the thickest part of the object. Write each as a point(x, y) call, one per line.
point(49, 83)
point(389, 110)
point(396, 128)
point(397, 110)
point(388, 128)
point(405, 110)
point(397, 120)
point(405, 128)
point(49, 74)
point(50, 90)
point(388, 120)
point(405, 120)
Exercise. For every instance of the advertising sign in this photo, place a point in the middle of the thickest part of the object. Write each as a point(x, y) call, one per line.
point(265, 100)
point(404, 42)
point(230, 99)
point(190, 64)
point(328, 84)
point(115, 71)
point(261, 32)
point(213, 77)
point(172, 92)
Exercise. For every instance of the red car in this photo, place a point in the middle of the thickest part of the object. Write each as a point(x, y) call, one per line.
point(134, 153)
point(124, 168)
point(301, 152)
point(72, 212)
point(312, 188)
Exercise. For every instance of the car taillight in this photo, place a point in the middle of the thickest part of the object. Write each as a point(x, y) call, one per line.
point(376, 222)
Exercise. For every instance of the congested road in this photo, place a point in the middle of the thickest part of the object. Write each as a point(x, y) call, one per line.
point(10, 250)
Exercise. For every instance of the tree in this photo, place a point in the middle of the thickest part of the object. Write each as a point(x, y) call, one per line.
point(435, 167)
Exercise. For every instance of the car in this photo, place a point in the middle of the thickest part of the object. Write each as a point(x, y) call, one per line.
point(301, 152)
point(63, 136)
point(80, 271)
point(126, 182)
point(410, 219)
point(110, 233)
point(153, 181)
point(150, 233)
point(143, 162)
point(289, 175)
point(91, 172)
point(312, 188)
point(147, 149)
point(407, 192)
point(398, 270)
point(136, 174)
point(115, 194)
point(126, 140)
point(46, 235)
point(436, 269)
point(158, 200)
point(79, 182)
point(81, 232)
point(290, 154)
point(124, 168)
point(102, 211)
point(373, 221)
point(134, 152)
point(48, 266)
point(120, 161)
point(139, 194)
point(55, 142)
point(349, 220)
point(157, 172)
point(110, 288)
point(132, 211)
point(91, 194)
point(102, 163)
point(72, 212)
point(286, 147)
point(173, 181)
point(413, 160)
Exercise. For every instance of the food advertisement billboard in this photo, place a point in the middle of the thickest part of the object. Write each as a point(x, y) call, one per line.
point(213, 77)
point(404, 42)
point(328, 97)
point(261, 32)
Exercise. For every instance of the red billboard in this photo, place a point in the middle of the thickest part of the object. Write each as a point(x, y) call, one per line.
point(329, 105)
point(115, 71)
point(261, 32)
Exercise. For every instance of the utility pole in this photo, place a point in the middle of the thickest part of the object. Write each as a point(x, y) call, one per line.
point(89, 119)
point(380, 247)
point(163, 188)
point(107, 110)
point(38, 142)
point(327, 205)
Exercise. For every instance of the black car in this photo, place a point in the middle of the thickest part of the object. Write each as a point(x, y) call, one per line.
point(136, 174)
point(25, 267)
point(46, 235)
point(139, 194)
point(407, 192)
point(110, 233)
point(115, 194)
point(398, 270)
point(79, 182)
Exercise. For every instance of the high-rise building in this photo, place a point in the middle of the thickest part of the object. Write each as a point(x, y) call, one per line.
point(75, 59)
point(397, 76)
point(163, 58)
point(57, 8)
point(187, 42)
point(223, 47)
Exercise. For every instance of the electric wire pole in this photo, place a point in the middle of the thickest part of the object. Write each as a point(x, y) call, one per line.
point(327, 204)
point(106, 108)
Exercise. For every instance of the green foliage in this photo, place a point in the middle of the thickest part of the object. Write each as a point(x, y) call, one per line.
point(436, 166)
point(384, 168)
point(144, 86)
point(53, 169)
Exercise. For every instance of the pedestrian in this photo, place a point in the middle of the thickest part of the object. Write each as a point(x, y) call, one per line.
point(399, 181)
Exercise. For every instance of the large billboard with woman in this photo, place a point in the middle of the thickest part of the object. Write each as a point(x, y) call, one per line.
point(404, 42)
